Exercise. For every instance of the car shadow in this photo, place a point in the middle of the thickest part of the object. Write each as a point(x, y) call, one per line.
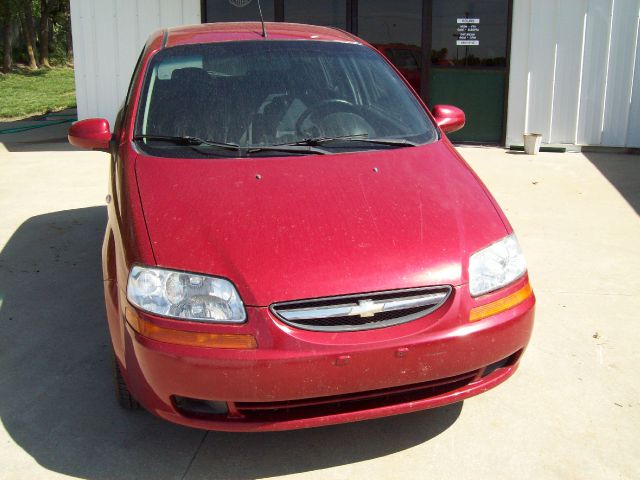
point(622, 170)
point(56, 398)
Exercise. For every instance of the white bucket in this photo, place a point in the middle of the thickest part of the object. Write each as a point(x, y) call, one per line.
point(532, 143)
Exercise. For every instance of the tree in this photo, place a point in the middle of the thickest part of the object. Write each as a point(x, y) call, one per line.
point(60, 18)
point(7, 19)
point(29, 33)
point(35, 32)
point(44, 32)
point(7, 45)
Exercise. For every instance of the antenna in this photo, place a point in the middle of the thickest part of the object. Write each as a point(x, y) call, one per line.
point(264, 30)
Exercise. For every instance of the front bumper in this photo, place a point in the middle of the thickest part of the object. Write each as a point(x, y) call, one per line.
point(297, 379)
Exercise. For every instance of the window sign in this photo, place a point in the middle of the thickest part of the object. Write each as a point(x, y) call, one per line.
point(467, 31)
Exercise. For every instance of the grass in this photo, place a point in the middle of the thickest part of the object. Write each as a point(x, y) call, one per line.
point(25, 93)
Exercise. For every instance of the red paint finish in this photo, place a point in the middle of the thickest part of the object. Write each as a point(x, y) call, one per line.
point(92, 134)
point(313, 229)
point(230, 31)
point(449, 118)
point(309, 227)
point(307, 365)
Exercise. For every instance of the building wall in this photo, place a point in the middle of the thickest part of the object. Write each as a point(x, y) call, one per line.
point(575, 72)
point(108, 36)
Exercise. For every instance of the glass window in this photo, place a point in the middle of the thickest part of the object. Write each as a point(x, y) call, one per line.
point(405, 58)
point(267, 93)
point(239, 10)
point(329, 13)
point(394, 28)
point(469, 33)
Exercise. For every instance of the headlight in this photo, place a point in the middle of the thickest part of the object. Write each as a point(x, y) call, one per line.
point(185, 295)
point(495, 266)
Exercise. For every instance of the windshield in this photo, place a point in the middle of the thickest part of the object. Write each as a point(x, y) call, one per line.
point(234, 97)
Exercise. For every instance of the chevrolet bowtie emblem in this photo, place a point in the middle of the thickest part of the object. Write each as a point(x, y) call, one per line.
point(366, 308)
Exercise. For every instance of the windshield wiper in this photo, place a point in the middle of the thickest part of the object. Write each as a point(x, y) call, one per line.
point(199, 142)
point(189, 141)
point(362, 137)
point(320, 140)
point(289, 147)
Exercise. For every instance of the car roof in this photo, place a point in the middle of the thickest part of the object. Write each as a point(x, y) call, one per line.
point(238, 31)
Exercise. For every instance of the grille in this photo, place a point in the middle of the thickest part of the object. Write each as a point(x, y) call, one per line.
point(353, 402)
point(362, 311)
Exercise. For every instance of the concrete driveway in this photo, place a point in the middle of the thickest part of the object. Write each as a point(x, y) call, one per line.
point(571, 411)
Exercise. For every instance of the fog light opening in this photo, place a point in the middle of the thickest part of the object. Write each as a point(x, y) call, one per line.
point(509, 361)
point(197, 407)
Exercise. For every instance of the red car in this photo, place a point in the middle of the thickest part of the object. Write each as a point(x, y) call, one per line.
point(293, 241)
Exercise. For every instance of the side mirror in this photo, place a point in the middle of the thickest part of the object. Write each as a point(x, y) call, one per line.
point(91, 134)
point(448, 117)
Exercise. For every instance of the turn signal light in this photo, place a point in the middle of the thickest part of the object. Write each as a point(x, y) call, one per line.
point(184, 337)
point(493, 308)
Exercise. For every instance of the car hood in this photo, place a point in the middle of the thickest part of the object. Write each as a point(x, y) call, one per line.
point(301, 227)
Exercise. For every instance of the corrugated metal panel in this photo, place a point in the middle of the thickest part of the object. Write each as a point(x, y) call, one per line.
point(88, 58)
point(125, 36)
point(624, 28)
point(107, 39)
point(518, 91)
point(582, 68)
point(633, 132)
point(594, 76)
point(190, 15)
point(105, 64)
point(170, 10)
point(541, 51)
point(80, 70)
point(566, 98)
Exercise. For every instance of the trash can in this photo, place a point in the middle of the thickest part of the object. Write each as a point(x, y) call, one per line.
point(532, 143)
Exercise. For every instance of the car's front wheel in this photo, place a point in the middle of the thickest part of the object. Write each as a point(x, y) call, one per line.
point(123, 395)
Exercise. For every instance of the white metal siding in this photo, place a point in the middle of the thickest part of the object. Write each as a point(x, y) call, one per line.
point(108, 36)
point(575, 72)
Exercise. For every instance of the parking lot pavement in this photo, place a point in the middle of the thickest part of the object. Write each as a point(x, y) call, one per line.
point(571, 411)
point(40, 133)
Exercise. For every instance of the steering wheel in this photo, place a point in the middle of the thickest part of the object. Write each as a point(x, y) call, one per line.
point(325, 108)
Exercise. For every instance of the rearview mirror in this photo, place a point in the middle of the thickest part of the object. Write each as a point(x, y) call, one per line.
point(448, 117)
point(91, 134)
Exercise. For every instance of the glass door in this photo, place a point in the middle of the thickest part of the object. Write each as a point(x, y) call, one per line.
point(328, 13)
point(238, 10)
point(451, 51)
point(394, 28)
point(468, 65)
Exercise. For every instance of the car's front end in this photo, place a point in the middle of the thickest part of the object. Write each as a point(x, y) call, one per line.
point(322, 323)
point(267, 375)
point(280, 256)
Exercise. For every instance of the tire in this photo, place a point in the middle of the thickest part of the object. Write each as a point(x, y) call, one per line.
point(123, 395)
